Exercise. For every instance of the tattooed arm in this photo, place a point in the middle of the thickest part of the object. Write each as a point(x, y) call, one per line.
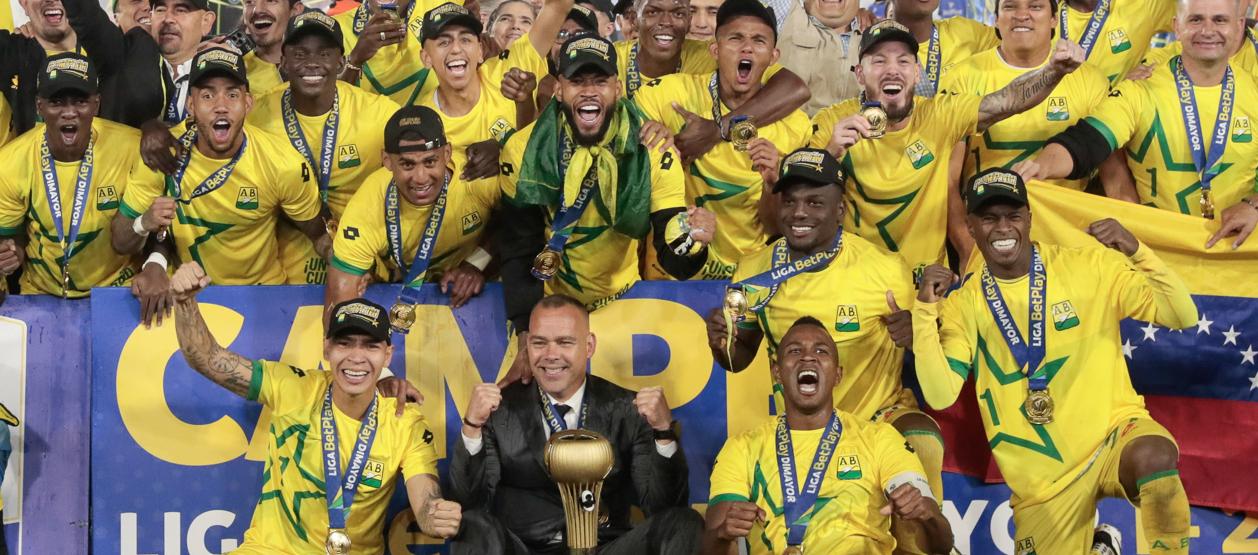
point(1030, 89)
point(437, 517)
point(200, 349)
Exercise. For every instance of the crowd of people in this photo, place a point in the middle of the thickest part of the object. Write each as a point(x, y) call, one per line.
point(839, 172)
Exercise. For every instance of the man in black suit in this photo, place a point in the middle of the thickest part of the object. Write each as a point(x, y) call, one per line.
point(512, 506)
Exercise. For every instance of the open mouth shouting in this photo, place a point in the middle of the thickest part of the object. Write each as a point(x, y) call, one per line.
point(220, 130)
point(808, 381)
point(69, 132)
point(589, 116)
point(457, 68)
point(262, 23)
point(54, 15)
point(743, 71)
point(891, 89)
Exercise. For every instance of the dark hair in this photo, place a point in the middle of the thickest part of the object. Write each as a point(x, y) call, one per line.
point(808, 321)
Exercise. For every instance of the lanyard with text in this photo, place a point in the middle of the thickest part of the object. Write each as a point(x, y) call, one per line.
point(295, 136)
point(1205, 159)
point(1091, 31)
point(784, 268)
point(633, 76)
point(1027, 352)
point(427, 243)
point(66, 235)
point(218, 178)
point(795, 501)
point(551, 416)
point(173, 112)
point(714, 90)
point(566, 217)
point(934, 59)
point(341, 490)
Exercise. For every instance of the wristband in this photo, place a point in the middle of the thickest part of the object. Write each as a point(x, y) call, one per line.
point(479, 258)
point(137, 225)
point(156, 258)
point(1251, 202)
point(666, 435)
point(471, 425)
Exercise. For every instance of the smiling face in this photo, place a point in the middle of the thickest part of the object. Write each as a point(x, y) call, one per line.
point(178, 26)
point(888, 73)
point(662, 26)
point(1002, 232)
point(454, 54)
point(1209, 29)
point(356, 360)
point(809, 216)
point(560, 345)
point(219, 105)
point(48, 19)
point(419, 175)
point(312, 64)
point(588, 99)
point(68, 117)
point(744, 48)
point(1025, 25)
point(133, 13)
point(511, 20)
point(808, 368)
point(265, 20)
point(835, 14)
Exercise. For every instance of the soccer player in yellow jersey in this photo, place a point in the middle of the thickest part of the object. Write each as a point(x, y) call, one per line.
point(233, 182)
point(899, 181)
point(337, 447)
point(1196, 98)
point(729, 182)
point(948, 42)
point(61, 187)
point(416, 215)
point(1037, 328)
point(383, 46)
point(266, 22)
point(336, 127)
point(817, 479)
point(470, 95)
point(1115, 34)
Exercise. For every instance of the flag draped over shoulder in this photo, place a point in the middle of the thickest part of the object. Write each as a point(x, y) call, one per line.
point(1200, 382)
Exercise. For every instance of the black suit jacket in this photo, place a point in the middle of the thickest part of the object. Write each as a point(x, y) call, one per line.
point(509, 478)
point(134, 86)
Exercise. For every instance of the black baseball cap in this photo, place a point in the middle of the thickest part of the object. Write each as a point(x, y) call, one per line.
point(449, 13)
point(583, 51)
point(67, 71)
point(312, 22)
point(751, 8)
point(584, 17)
point(994, 184)
point(604, 6)
point(885, 30)
point(359, 316)
point(217, 61)
point(810, 166)
point(414, 120)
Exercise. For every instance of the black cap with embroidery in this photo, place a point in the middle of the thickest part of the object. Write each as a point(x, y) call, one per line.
point(414, 123)
point(584, 17)
point(198, 4)
point(994, 184)
point(312, 22)
point(449, 13)
point(217, 61)
point(583, 51)
point(359, 316)
point(810, 166)
point(67, 71)
point(750, 8)
point(885, 30)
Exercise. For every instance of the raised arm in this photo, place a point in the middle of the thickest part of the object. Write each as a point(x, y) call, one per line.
point(546, 27)
point(941, 384)
point(200, 349)
point(100, 38)
point(1029, 89)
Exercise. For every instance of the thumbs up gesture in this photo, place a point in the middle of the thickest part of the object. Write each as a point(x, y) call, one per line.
point(899, 323)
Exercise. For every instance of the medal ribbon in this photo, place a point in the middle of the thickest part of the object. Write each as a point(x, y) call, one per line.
point(551, 416)
point(934, 59)
point(796, 502)
point(784, 268)
point(1028, 353)
point(633, 77)
point(1091, 31)
point(714, 90)
point(52, 189)
point(298, 139)
point(173, 114)
point(1205, 160)
point(566, 217)
point(212, 182)
point(418, 268)
point(341, 490)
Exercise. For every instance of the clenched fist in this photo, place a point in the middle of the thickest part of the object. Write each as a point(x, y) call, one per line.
point(739, 520)
point(653, 407)
point(936, 280)
point(160, 214)
point(442, 518)
point(485, 400)
point(702, 224)
point(1067, 57)
point(518, 85)
point(188, 280)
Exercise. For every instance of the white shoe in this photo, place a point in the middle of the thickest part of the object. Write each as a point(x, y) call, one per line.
point(1107, 540)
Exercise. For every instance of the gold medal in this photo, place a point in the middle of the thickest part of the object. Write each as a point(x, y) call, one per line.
point(877, 118)
point(794, 550)
point(1039, 407)
point(401, 317)
point(1207, 205)
point(338, 542)
point(735, 304)
point(331, 225)
point(546, 264)
point(742, 133)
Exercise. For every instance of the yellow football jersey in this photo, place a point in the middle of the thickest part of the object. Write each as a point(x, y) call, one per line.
point(959, 38)
point(696, 57)
point(493, 116)
point(1126, 35)
point(1021, 136)
point(396, 71)
point(849, 296)
point(1245, 59)
point(230, 231)
point(24, 200)
point(362, 240)
point(722, 180)
point(845, 518)
point(1144, 118)
point(1090, 290)
point(291, 515)
point(897, 185)
point(599, 263)
point(264, 76)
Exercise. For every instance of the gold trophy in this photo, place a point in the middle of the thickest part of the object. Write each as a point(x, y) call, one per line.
point(578, 461)
point(742, 131)
point(877, 118)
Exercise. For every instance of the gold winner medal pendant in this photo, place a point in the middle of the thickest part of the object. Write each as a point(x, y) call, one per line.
point(742, 133)
point(877, 118)
point(1039, 407)
point(401, 317)
point(546, 264)
point(793, 550)
point(331, 226)
point(735, 304)
point(1207, 205)
point(338, 542)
